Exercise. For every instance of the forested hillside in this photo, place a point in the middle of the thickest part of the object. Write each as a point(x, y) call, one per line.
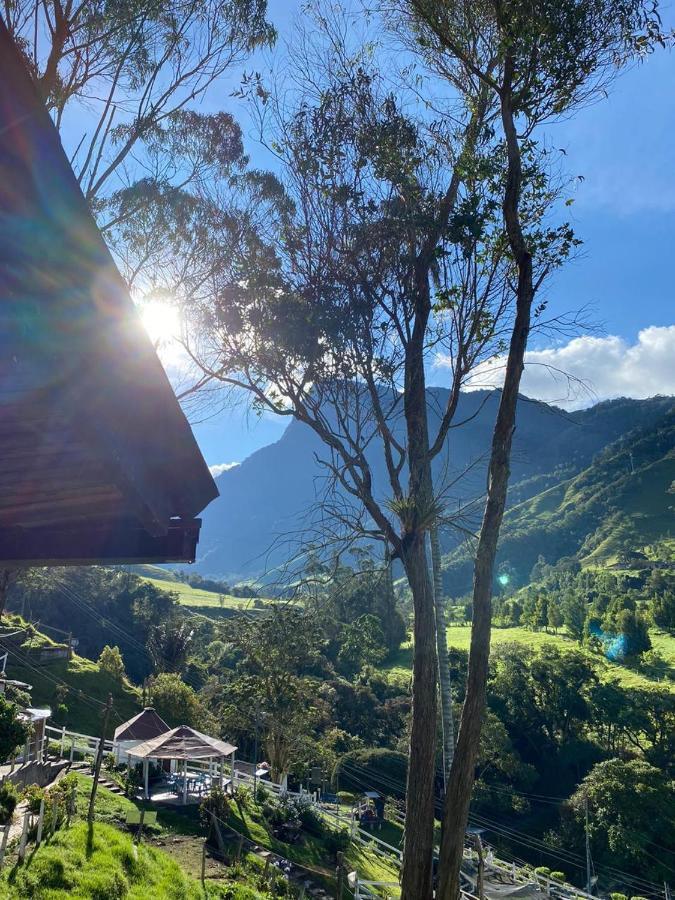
point(265, 506)
point(622, 502)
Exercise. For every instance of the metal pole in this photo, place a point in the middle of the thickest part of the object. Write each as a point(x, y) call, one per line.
point(99, 759)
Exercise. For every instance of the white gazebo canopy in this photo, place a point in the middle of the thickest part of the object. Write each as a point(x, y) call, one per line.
point(183, 744)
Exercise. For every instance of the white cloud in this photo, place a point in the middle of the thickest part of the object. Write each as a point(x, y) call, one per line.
point(588, 369)
point(219, 468)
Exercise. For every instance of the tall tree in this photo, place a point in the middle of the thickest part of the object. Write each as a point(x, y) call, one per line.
point(538, 60)
point(277, 652)
point(370, 255)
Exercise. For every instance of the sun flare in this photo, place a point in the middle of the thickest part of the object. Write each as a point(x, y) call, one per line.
point(161, 321)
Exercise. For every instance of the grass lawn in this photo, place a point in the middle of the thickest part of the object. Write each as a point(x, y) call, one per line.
point(111, 866)
point(189, 596)
point(400, 666)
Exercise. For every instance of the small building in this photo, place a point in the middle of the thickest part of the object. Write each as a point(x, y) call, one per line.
point(36, 744)
point(145, 726)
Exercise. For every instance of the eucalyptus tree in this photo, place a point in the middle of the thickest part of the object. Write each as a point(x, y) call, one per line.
point(538, 60)
point(367, 255)
point(123, 81)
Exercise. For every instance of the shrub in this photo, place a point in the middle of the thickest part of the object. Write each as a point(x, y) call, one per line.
point(617, 896)
point(558, 876)
point(34, 795)
point(336, 841)
point(261, 795)
point(242, 797)
point(13, 732)
point(133, 780)
point(346, 797)
point(544, 871)
point(384, 770)
point(216, 804)
point(9, 797)
point(60, 714)
point(111, 662)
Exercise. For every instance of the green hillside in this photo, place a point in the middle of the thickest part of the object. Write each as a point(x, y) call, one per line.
point(400, 666)
point(191, 596)
point(623, 501)
point(75, 689)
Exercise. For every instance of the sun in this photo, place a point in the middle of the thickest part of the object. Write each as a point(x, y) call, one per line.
point(161, 321)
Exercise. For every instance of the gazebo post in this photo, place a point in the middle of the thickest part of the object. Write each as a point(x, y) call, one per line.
point(146, 767)
point(232, 768)
point(220, 773)
point(185, 781)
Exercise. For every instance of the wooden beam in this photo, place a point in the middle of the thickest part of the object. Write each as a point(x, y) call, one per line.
point(120, 542)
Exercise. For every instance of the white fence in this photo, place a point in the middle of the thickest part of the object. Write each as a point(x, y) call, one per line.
point(71, 742)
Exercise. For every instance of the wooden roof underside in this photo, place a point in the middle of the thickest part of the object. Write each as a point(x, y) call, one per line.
point(93, 443)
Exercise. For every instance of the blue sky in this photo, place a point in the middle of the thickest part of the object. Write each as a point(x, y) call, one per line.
point(624, 211)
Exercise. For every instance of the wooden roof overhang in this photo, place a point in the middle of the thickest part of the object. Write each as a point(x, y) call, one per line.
point(97, 460)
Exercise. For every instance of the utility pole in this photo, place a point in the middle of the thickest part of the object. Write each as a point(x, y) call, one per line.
point(255, 755)
point(588, 847)
point(99, 758)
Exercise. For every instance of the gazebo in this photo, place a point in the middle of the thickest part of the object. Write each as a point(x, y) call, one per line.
point(144, 726)
point(183, 744)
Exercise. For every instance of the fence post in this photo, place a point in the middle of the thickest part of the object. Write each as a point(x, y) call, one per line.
point(3, 845)
point(203, 864)
point(72, 750)
point(41, 820)
point(63, 739)
point(339, 891)
point(24, 837)
point(55, 812)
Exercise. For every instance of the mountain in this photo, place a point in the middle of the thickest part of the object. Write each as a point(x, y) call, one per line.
point(623, 501)
point(264, 502)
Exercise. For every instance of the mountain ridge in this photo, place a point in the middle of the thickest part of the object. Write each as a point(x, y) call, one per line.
point(621, 502)
point(265, 500)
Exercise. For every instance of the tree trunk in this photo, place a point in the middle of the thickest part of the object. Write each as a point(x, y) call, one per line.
point(444, 679)
point(416, 876)
point(463, 768)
